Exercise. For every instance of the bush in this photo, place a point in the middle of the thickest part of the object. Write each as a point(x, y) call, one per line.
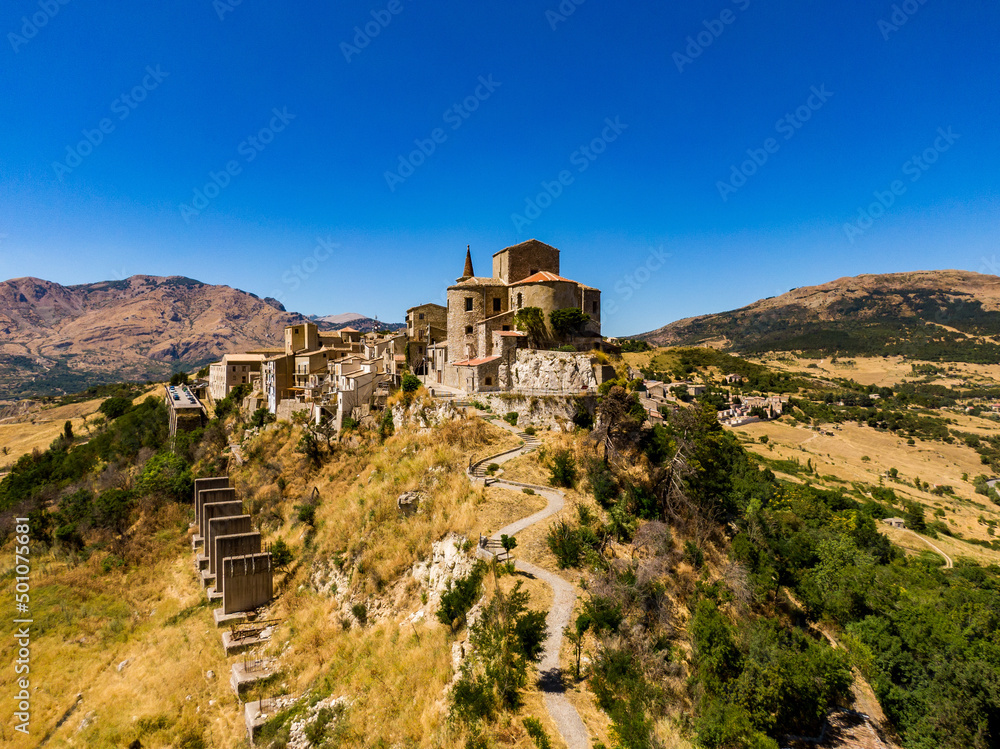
point(281, 554)
point(114, 407)
point(534, 728)
point(563, 469)
point(530, 431)
point(511, 418)
point(360, 612)
point(693, 555)
point(459, 595)
point(492, 468)
point(602, 483)
point(411, 383)
point(261, 417)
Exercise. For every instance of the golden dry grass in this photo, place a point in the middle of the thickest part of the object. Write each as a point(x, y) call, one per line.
point(38, 429)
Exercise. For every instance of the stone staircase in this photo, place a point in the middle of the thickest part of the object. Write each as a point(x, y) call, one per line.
point(478, 469)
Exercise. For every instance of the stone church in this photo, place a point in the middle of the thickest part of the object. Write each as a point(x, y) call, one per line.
point(482, 341)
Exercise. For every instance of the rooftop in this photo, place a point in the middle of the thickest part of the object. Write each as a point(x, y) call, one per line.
point(475, 362)
point(541, 277)
point(526, 244)
point(180, 396)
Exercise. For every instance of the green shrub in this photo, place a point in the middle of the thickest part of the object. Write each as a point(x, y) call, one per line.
point(534, 728)
point(511, 418)
point(531, 431)
point(281, 554)
point(563, 471)
point(459, 595)
point(114, 407)
point(410, 383)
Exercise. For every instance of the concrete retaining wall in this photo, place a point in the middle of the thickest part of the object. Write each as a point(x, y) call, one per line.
point(227, 525)
point(247, 582)
point(234, 545)
point(211, 510)
point(206, 496)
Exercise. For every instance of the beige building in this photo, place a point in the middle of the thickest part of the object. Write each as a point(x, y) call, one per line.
point(233, 370)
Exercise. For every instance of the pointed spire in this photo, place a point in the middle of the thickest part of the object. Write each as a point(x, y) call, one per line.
point(468, 272)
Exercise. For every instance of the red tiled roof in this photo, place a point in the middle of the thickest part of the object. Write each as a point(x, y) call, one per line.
point(541, 276)
point(476, 362)
point(511, 332)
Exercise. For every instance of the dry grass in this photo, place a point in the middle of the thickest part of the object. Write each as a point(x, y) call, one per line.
point(38, 428)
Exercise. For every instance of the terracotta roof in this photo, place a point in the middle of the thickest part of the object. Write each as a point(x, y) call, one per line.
point(478, 281)
point(541, 277)
point(347, 330)
point(510, 333)
point(475, 362)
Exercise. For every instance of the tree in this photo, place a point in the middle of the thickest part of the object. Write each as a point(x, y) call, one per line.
point(281, 554)
point(179, 378)
point(68, 431)
point(563, 469)
point(114, 407)
point(411, 383)
point(531, 320)
point(506, 639)
point(568, 322)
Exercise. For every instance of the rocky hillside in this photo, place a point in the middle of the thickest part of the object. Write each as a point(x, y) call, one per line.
point(947, 315)
point(55, 337)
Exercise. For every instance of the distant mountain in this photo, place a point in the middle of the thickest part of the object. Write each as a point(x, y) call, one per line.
point(949, 315)
point(356, 321)
point(64, 338)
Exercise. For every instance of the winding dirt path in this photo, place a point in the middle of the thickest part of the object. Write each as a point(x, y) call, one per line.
point(563, 714)
point(947, 559)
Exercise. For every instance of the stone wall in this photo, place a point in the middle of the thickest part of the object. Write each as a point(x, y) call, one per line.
point(556, 372)
point(544, 411)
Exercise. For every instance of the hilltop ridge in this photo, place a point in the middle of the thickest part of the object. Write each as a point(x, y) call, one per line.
point(944, 314)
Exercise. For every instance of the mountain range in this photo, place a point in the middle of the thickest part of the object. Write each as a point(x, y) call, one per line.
point(56, 338)
point(948, 315)
point(65, 338)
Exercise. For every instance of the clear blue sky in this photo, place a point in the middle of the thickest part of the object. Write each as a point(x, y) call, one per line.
point(663, 183)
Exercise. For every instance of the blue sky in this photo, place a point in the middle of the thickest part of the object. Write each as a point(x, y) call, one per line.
point(753, 147)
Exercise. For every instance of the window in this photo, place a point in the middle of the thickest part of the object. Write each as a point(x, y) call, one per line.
point(593, 307)
point(468, 304)
point(533, 271)
point(421, 315)
point(496, 304)
point(506, 327)
point(520, 300)
point(468, 330)
point(489, 381)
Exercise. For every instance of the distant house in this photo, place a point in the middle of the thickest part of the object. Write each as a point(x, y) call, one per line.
point(895, 522)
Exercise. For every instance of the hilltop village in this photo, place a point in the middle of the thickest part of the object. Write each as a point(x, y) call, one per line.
point(523, 330)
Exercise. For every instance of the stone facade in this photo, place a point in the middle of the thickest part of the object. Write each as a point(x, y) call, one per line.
point(548, 372)
point(479, 308)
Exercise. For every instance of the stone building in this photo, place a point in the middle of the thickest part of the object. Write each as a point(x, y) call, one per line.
point(481, 311)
